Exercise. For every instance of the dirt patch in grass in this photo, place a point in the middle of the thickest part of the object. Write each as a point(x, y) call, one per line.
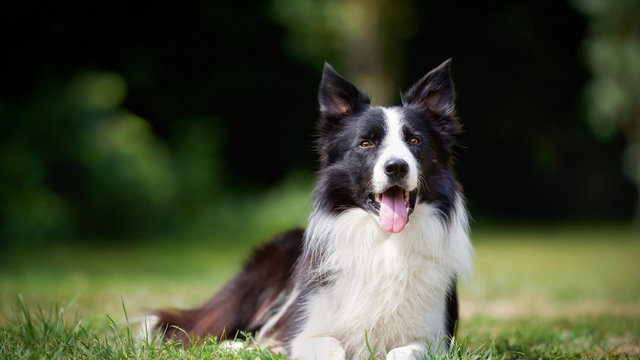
point(507, 308)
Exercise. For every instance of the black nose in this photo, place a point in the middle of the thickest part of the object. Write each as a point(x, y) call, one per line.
point(396, 169)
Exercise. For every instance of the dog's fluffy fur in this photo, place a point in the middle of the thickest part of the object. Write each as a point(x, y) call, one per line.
point(387, 238)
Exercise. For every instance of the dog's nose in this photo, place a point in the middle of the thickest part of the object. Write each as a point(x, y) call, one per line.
point(396, 169)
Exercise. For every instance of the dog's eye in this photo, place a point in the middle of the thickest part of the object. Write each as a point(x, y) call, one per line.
point(415, 140)
point(365, 144)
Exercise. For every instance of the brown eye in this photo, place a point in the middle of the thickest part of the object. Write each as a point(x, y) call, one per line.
point(365, 144)
point(415, 141)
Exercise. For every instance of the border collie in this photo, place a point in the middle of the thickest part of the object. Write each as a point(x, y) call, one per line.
point(387, 238)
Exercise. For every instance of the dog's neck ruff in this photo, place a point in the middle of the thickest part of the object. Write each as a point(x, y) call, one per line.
point(338, 242)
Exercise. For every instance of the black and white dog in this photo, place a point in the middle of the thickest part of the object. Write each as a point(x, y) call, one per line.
point(376, 267)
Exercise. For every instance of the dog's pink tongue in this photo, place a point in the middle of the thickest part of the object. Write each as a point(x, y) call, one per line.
point(393, 213)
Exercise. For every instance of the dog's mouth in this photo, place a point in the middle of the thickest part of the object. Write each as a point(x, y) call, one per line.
point(393, 207)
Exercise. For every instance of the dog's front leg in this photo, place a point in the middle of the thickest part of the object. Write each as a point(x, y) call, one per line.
point(317, 348)
point(414, 351)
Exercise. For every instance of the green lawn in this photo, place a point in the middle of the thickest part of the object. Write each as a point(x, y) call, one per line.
point(539, 292)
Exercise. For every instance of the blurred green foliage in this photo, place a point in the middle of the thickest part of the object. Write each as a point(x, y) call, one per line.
point(364, 38)
point(612, 49)
point(124, 122)
point(80, 163)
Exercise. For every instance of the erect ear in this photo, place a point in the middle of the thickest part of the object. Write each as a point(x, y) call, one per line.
point(337, 96)
point(434, 92)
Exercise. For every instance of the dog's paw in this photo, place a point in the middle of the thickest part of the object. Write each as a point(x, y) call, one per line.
point(409, 352)
point(320, 348)
point(233, 346)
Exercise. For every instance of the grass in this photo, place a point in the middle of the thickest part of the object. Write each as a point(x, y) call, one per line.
point(48, 334)
point(539, 292)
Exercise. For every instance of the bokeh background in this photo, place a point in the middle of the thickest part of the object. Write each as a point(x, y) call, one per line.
point(145, 147)
point(125, 120)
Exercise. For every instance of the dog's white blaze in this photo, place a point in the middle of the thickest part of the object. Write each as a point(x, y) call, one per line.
point(391, 287)
point(393, 146)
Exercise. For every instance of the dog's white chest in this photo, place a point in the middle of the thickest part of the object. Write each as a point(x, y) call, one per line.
point(385, 290)
point(393, 302)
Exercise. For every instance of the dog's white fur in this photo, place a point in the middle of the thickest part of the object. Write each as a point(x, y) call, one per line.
point(390, 288)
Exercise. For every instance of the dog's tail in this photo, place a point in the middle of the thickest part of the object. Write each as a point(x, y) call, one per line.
point(245, 302)
point(174, 324)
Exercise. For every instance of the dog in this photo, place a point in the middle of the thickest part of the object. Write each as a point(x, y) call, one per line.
point(387, 239)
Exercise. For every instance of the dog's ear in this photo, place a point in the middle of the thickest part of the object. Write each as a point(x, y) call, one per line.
point(434, 93)
point(338, 97)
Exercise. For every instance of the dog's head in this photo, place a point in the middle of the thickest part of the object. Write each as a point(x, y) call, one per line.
point(385, 160)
